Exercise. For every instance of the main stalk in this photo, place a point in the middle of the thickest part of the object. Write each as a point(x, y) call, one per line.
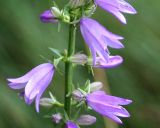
point(69, 69)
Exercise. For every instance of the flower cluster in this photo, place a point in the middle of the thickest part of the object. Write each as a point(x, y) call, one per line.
point(98, 39)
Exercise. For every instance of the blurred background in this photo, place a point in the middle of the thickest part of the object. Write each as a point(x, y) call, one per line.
point(23, 38)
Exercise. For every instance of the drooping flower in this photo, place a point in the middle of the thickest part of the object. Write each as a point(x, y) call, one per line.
point(48, 17)
point(86, 120)
point(34, 83)
point(108, 106)
point(115, 7)
point(112, 62)
point(70, 124)
point(98, 38)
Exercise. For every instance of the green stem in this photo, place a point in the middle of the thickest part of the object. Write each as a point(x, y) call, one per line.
point(69, 69)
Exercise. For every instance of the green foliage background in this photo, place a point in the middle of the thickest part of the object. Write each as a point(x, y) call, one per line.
point(23, 38)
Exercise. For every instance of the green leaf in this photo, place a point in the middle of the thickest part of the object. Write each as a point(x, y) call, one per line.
point(55, 51)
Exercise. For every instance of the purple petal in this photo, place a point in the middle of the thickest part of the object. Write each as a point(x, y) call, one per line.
point(114, 118)
point(70, 124)
point(28, 75)
point(115, 7)
point(95, 26)
point(126, 7)
point(104, 107)
point(45, 83)
point(93, 41)
point(102, 35)
point(112, 62)
point(17, 86)
point(109, 99)
point(113, 43)
point(37, 80)
point(113, 11)
point(121, 5)
point(108, 105)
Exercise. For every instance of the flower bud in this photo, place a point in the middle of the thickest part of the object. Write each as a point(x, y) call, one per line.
point(95, 86)
point(79, 59)
point(56, 118)
point(56, 12)
point(48, 17)
point(77, 95)
point(47, 102)
point(86, 120)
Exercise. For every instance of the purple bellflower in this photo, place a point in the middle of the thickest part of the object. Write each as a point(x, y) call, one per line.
point(108, 106)
point(34, 83)
point(112, 62)
point(70, 124)
point(98, 38)
point(48, 17)
point(115, 7)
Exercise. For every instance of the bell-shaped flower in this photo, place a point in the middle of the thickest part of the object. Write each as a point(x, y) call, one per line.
point(70, 124)
point(48, 17)
point(116, 7)
point(98, 38)
point(112, 62)
point(108, 106)
point(34, 83)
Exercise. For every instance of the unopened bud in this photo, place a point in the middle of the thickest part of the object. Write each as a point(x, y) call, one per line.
point(56, 12)
point(79, 59)
point(95, 86)
point(56, 118)
point(86, 120)
point(77, 95)
point(47, 102)
point(48, 17)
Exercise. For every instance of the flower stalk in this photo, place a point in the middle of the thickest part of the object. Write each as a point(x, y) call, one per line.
point(69, 69)
point(98, 40)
